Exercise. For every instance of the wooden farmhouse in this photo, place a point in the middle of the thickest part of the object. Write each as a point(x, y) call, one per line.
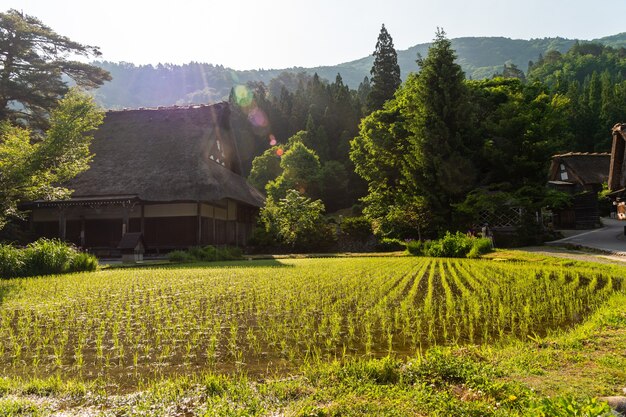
point(171, 174)
point(581, 175)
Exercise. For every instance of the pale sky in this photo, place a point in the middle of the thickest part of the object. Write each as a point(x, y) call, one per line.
point(248, 34)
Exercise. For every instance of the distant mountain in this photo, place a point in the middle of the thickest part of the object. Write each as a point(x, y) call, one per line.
point(149, 86)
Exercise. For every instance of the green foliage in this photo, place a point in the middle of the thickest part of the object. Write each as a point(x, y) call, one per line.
point(266, 167)
point(480, 246)
point(356, 228)
point(457, 245)
point(296, 221)
point(44, 257)
point(390, 245)
point(84, 262)
point(415, 153)
point(300, 171)
point(47, 256)
point(10, 407)
point(11, 261)
point(207, 253)
point(451, 245)
point(34, 59)
point(34, 169)
point(385, 72)
point(593, 78)
point(570, 407)
point(179, 256)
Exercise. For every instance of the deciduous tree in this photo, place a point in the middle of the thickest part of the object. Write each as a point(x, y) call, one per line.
point(31, 169)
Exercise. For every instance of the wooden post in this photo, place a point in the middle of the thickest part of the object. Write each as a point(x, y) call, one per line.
point(199, 216)
point(143, 221)
point(82, 231)
point(214, 226)
point(125, 220)
point(62, 224)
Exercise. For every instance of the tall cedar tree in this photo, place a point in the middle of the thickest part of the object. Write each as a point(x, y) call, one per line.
point(439, 165)
point(33, 60)
point(413, 153)
point(385, 72)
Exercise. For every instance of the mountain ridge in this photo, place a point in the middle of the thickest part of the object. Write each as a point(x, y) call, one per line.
point(195, 83)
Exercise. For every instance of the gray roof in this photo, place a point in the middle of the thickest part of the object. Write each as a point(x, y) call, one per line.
point(165, 155)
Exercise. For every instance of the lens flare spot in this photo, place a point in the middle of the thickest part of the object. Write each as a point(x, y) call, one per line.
point(257, 117)
point(243, 95)
point(279, 152)
point(272, 140)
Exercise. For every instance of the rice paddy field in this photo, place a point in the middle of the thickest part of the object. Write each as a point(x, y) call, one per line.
point(127, 324)
point(123, 328)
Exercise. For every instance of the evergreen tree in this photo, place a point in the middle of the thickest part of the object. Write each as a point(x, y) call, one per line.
point(385, 72)
point(439, 165)
point(33, 60)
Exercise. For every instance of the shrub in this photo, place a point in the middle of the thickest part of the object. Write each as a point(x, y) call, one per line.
point(416, 247)
point(390, 245)
point(11, 261)
point(458, 245)
point(230, 253)
point(48, 256)
point(179, 256)
point(44, 257)
point(480, 246)
point(356, 228)
point(84, 262)
point(198, 253)
point(206, 254)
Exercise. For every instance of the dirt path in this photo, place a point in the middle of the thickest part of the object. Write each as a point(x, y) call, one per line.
point(577, 255)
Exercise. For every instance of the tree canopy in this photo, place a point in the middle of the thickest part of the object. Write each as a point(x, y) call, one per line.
point(442, 140)
point(33, 61)
point(30, 169)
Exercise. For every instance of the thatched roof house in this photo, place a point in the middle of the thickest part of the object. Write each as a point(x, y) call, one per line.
point(582, 175)
point(576, 171)
point(172, 174)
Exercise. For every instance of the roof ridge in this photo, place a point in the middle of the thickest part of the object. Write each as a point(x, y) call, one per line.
point(172, 107)
point(582, 154)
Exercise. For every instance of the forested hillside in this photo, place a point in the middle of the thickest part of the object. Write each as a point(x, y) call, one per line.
point(166, 84)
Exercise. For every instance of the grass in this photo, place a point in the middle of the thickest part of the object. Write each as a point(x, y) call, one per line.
point(516, 375)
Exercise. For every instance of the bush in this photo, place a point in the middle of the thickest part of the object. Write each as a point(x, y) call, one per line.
point(356, 228)
point(206, 254)
point(390, 245)
point(230, 253)
point(179, 256)
point(84, 262)
point(48, 256)
point(44, 257)
point(11, 261)
point(481, 246)
point(416, 247)
point(458, 245)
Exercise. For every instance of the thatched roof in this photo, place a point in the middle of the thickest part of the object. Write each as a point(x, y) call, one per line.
point(165, 155)
point(587, 168)
point(617, 180)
